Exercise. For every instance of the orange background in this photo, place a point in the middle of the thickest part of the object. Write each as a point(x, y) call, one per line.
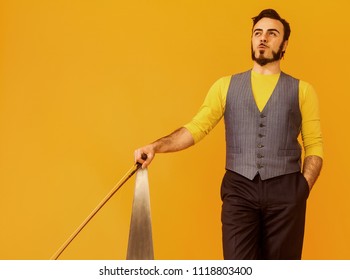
point(83, 83)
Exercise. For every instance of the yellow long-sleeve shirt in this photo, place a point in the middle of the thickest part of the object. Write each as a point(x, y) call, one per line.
point(213, 108)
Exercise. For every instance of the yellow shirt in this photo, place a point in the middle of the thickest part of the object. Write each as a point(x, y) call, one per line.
point(213, 108)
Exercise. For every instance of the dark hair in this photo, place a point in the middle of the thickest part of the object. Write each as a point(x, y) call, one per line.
point(270, 13)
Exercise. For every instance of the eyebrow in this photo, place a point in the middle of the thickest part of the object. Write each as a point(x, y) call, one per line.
point(271, 29)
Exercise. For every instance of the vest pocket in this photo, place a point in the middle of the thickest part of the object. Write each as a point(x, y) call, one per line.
point(289, 152)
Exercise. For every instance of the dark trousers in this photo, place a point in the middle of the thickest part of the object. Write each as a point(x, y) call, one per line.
point(263, 219)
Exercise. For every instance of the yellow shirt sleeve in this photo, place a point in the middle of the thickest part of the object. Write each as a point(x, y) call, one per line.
point(211, 111)
point(311, 124)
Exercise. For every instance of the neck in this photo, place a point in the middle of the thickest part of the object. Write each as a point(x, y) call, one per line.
point(268, 69)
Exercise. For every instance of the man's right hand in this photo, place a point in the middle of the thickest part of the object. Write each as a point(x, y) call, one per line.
point(141, 153)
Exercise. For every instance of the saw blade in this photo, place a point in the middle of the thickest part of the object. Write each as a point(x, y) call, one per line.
point(140, 244)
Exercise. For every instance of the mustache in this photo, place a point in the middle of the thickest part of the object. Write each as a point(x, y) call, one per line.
point(264, 45)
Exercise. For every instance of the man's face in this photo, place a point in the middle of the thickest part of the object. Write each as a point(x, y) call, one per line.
point(267, 41)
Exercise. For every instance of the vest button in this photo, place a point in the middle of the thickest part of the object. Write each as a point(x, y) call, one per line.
point(262, 116)
point(259, 166)
point(260, 146)
point(260, 135)
point(261, 125)
point(260, 156)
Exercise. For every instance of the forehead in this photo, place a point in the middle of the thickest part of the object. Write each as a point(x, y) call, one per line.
point(269, 23)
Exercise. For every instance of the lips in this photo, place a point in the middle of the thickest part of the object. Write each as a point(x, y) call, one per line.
point(263, 46)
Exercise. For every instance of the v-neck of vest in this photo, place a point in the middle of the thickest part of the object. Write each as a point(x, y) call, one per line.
point(272, 96)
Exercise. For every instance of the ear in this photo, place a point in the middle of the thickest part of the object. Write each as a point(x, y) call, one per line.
point(285, 44)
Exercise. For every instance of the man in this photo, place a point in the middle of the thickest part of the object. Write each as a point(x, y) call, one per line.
point(263, 191)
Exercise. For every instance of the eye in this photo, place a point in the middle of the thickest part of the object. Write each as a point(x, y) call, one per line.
point(257, 33)
point(273, 34)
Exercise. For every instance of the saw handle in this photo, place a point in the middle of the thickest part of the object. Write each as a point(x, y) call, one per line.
point(144, 157)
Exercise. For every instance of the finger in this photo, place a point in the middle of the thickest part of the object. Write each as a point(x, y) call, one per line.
point(139, 156)
point(144, 165)
point(144, 156)
point(148, 160)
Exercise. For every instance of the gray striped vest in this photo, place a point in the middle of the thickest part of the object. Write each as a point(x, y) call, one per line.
point(262, 142)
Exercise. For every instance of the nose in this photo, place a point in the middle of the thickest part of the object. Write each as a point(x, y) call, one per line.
point(263, 38)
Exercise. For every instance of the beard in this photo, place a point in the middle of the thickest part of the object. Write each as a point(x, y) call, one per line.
point(261, 60)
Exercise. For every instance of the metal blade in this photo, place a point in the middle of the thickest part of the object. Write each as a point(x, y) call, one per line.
point(140, 245)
